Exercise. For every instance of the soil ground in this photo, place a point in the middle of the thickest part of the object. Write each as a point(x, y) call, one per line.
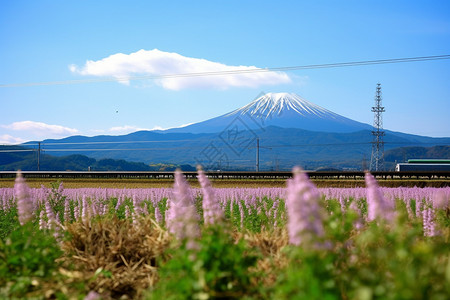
point(218, 183)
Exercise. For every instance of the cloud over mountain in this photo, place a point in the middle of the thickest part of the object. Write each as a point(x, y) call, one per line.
point(40, 129)
point(9, 139)
point(161, 66)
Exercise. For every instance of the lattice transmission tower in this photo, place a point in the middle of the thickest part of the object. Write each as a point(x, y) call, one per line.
point(377, 158)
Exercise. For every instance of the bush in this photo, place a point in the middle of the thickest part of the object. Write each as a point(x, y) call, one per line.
point(28, 257)
point(219, 269)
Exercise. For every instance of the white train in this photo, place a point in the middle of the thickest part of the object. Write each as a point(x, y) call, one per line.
point(424, 165)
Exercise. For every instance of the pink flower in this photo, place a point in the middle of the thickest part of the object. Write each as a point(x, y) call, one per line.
point(182, 216)
point(212, 212)
point(42, 223)
point(359, 222)
point(429, 225)
point(304, 216)
point(377, 206)
point(66, 211)
point(24, 199)
point(92, 296)
point(158, 216)
point(85, 213)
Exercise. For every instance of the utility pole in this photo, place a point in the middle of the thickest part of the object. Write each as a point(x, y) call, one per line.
point(377, 158)
point(39, 157)
point(257, 154)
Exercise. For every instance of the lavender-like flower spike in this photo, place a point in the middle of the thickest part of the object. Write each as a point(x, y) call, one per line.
point(66, 211)
point(377, 205)
point(24, 199)
point(52, 221)
point(182, 219)
point(158, 216)
point(42, 223)
point(304, 216)
point(439, 201)
point(429, 224)
point(212, 212)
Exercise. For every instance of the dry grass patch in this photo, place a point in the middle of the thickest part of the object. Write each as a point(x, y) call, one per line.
point(271, 245)
point(118, 259)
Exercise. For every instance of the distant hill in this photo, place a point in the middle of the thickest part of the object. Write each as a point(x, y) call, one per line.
point(13, 158)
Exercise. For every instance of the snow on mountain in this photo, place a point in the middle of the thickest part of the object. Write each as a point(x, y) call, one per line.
point(274, 104)
point(285, 110)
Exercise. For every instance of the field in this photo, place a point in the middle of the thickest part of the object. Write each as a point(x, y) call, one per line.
point(74, 183)
point(230, 240)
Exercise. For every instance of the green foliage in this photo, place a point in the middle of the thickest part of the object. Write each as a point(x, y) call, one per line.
point(219, 269)
point(310, 276)
point(162, 207)
point(57, 200)
point(379, 261)
point(198, 203)
point(9, 221)
point(255, 218)
point(395, 261)
point(27, 255)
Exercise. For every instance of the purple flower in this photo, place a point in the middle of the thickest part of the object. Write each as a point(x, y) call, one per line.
point(182, 216)
point(76, 210)
point(24, 199)
point(66, 211)
point(158, 216)
point(304, 216)
point(212, 212)
point(92, 296)
point(137, 206)
point(377, 206)
point(85, 213)
point(429, 225)
point(359, 222)
point(52, 221)
point(42, 223)
point(441, 200)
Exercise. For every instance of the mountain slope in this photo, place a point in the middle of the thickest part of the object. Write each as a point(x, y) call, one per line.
point(283, 110)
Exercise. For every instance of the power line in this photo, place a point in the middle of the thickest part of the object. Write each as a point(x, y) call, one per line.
point(6, 151)
point(234, 72)
point(181, 148)
point(200, 147)
point(261, 146)
point(94, 143)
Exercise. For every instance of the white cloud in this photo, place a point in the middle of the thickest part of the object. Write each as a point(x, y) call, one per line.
point(40, 129)
point(156, 63)
point(9, 139)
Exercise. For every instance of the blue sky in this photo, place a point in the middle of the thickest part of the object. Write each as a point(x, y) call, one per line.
point(54, 41)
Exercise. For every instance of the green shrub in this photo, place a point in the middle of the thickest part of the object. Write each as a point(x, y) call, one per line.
point(28, 256)
point(218, 269)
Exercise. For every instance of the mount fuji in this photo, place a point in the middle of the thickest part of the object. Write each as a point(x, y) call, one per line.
point(285, 110)
point(286, 129)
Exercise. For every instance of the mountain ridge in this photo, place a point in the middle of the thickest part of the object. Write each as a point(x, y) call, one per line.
point(289, 130)
point(278, 109)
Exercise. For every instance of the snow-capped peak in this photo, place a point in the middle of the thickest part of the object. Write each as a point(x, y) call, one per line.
point(273, 104)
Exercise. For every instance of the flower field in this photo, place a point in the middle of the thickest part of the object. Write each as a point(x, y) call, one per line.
point(299, 242)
